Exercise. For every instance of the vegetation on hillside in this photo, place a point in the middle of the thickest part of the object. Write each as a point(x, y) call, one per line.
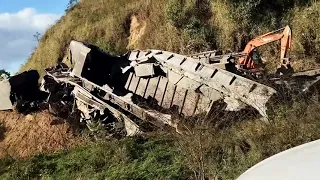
point(181, 26)
point(223, 151)
point(184, 26)
point(127, 159)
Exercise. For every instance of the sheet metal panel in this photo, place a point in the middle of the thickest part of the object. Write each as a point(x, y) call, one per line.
point(168, 96)
point(146, 69)
point(141, 89)
point(5, 103)
point(179, 100)
point(161, 90)
point(152, 88)
point(79, 55)
point(129, 80)
point(190, 104)
point(134, 84)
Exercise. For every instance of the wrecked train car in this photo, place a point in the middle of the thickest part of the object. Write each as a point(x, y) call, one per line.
point(133, 91)
point(154, 86)
point(22, 92)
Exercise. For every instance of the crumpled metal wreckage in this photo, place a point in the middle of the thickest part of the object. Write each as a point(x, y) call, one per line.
point(153, 87)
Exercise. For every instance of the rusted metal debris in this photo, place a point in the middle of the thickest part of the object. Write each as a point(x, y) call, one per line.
point(130, 93)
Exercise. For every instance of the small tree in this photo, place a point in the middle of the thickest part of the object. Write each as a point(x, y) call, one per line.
point(71, 4)
point(37, 36)
point(4, 74)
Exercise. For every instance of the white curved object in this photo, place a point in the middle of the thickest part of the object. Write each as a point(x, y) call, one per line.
point(301, 162)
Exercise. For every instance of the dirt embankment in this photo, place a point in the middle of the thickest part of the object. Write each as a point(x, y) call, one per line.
point(23, 136)
point(137, 30)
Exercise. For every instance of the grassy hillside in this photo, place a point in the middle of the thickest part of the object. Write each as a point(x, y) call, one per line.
point(182, 26)
point(221, 152)
point(127, 159)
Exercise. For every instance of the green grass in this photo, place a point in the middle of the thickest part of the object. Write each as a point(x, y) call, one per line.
point(227, 151)
point(132, 158)
point(224, 151)
point(184, 27)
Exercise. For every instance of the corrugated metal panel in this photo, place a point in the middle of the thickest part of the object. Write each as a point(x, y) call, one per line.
point(161, 90)
point(134, 83)
point(168, 95)
point(142, 87)
point(177, 99)
point(128, 83)
point(190, 104)
point(152, 88)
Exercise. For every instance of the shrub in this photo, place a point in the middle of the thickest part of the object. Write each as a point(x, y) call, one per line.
point(306, 30)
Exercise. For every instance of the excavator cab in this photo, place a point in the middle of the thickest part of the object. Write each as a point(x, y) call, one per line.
point(256, 57)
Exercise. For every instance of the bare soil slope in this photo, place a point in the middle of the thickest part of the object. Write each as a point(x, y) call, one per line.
point(23, 136)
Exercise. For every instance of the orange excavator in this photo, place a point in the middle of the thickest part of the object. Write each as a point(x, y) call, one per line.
point(252, 59)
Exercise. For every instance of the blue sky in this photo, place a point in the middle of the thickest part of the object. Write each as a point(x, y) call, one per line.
point(42, 6)
point(19, 21)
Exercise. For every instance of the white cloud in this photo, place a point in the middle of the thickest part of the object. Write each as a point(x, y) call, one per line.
point(16, 35)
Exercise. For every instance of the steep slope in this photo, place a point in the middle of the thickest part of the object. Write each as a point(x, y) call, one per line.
point(186, 26)
point(182, 26)
point(24, 136)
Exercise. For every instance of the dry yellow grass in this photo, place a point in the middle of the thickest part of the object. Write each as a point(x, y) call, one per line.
point(178, 26)
point(26, 136)
point(185, 27)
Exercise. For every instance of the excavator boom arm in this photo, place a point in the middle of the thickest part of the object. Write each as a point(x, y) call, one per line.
point(283, 34)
